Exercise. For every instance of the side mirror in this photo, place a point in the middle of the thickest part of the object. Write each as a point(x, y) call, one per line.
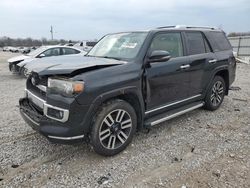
point(158, 56)
point(41, 55)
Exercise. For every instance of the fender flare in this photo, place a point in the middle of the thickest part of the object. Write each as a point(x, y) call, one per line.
point(215, 71)
point(116, 94)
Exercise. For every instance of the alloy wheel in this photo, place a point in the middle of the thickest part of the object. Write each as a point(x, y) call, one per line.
point(115, 129)
point(217, 93)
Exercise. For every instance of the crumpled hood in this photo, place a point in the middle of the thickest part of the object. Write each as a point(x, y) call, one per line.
point(24, 62)
point(68, 64)
point(18, 58)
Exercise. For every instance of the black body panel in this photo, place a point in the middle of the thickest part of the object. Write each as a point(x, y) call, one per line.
point(153, 88)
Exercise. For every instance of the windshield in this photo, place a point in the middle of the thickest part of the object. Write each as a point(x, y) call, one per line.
point(119, 46)
point(37, 51)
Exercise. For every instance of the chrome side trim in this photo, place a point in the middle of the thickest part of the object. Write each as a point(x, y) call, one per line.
point(37, 124)
point(176, 114)
point(65, 112)
point(174, 103)
point(66, 138)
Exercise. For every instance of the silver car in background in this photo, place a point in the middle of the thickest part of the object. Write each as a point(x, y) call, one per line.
point(42, 52)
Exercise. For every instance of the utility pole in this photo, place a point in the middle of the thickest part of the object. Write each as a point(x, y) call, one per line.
point(52, 32)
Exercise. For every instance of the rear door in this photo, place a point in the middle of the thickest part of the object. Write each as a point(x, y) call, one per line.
point(223, 51)
point(202, 59)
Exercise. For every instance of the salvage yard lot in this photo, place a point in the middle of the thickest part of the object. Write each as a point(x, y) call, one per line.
point(198, 149)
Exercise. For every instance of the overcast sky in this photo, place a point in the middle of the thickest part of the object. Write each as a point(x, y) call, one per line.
point(90, 19)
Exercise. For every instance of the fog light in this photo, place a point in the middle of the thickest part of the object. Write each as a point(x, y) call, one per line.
point(58, 114)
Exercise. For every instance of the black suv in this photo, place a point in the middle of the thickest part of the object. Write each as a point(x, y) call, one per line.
point(128, 81)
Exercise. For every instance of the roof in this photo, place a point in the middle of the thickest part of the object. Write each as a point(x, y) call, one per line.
point(59, 46)
point(174, 28)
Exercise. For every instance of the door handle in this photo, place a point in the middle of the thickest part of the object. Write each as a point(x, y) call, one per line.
point(185, 66)
point(212, 61)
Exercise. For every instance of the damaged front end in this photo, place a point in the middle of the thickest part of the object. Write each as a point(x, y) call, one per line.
point(48, 112)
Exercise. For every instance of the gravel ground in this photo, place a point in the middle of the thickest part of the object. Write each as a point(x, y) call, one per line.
point(198, 149)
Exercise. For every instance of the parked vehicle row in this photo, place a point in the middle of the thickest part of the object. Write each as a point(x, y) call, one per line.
point(85, 46)
point(23, 50)
point(128, 81)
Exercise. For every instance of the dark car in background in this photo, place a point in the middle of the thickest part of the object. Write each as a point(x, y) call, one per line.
point(129, 81)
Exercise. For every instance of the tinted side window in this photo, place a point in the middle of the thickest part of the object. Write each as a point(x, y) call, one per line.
point(195, 43)
point(52, 52)
point(218, 41)
point(68, 51)
point(170, 42)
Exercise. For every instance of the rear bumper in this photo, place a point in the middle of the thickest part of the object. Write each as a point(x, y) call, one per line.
point(54, 131)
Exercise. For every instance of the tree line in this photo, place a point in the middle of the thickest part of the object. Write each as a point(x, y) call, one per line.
point(29, 42)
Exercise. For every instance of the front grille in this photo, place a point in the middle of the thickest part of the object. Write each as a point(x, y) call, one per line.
point(37, 101)
point(40, 87)
point(29, 109)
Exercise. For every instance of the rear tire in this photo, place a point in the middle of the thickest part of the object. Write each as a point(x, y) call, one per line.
point(215, 94)
point(113, 127)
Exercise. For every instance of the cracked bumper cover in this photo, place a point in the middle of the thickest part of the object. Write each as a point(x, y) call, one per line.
point(55, 131)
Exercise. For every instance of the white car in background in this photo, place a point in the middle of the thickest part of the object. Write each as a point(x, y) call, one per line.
point(85, 46)
point(6, 48)
point(13, 49)
point(24, 50)
point(42, 52)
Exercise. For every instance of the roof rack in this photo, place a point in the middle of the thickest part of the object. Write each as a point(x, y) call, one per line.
point(188, 27)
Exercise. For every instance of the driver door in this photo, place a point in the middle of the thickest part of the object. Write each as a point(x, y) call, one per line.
point(167, 82)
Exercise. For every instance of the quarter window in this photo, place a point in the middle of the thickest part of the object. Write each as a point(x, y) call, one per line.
point(68, 51)
point(170, 42)
point(219, 41)
point(195, 43)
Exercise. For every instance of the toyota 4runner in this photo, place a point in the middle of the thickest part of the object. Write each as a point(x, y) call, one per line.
point(128, 81)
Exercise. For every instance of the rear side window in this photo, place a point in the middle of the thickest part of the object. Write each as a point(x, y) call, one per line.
point(170, 42)
point(195, 43)
point(218, 41)
point(68, 51)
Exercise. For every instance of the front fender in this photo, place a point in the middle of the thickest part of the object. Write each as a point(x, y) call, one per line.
point(117, 93)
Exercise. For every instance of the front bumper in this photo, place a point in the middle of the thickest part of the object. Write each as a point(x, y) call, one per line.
point(55, 131)
point(14, 68)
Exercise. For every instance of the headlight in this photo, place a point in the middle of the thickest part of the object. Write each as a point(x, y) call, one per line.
point(65, 87)
point(26, 72)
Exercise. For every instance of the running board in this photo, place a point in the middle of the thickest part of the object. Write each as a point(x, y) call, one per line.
point(172, 114)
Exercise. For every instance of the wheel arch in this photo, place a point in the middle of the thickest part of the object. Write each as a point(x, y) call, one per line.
point(129, 94)
point(224, 73)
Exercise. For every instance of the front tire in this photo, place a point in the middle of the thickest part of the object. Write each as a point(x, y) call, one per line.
point(113, 127)
point(215, 94)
